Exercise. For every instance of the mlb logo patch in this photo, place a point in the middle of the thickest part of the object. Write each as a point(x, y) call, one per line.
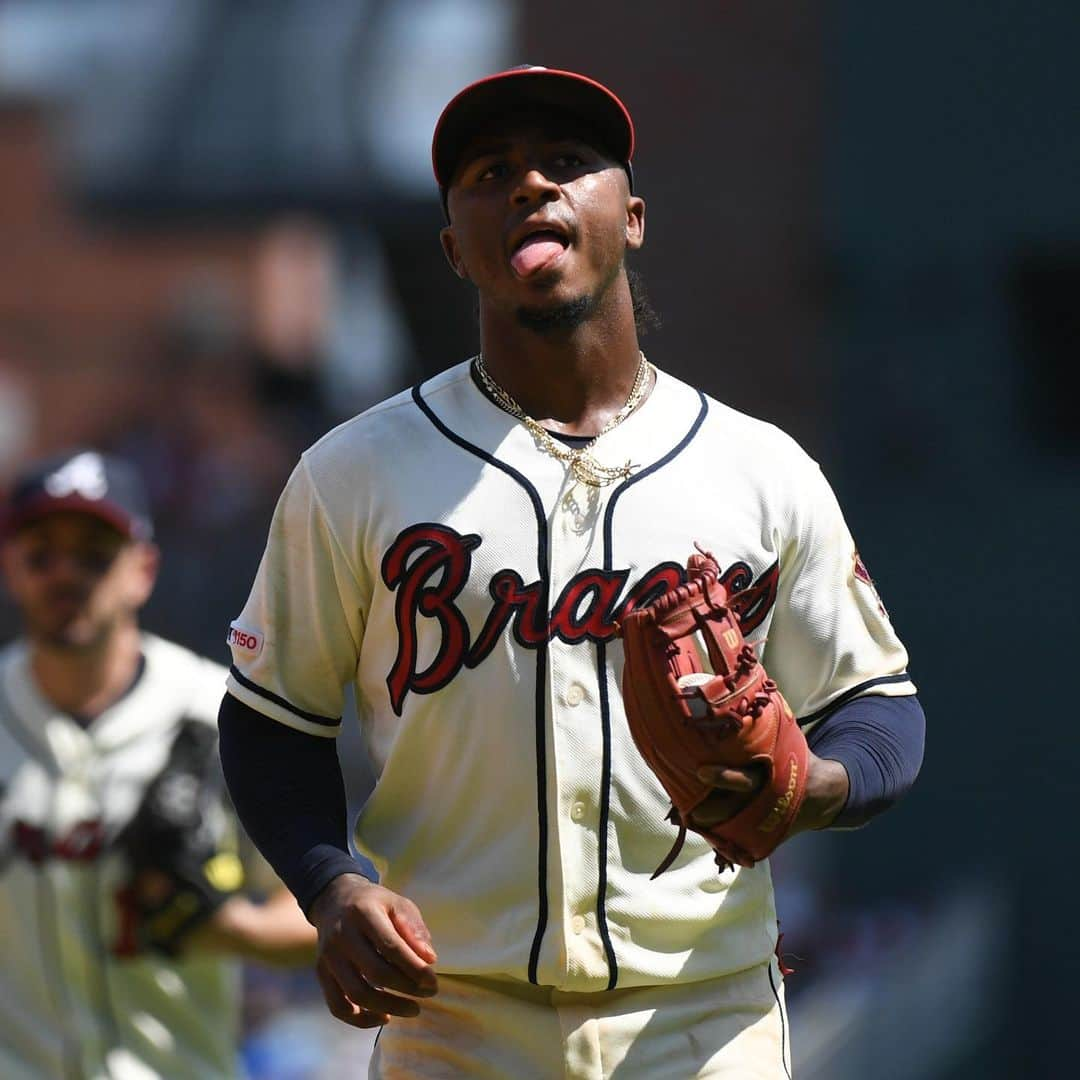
point(247, 641)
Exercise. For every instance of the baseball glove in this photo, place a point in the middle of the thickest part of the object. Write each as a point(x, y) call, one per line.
point(180, 873)
point(696, 695)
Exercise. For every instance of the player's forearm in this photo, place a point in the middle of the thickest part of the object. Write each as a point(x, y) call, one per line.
point(289, 795)
point(827, 789)
point(879, 743)
point(274, 932)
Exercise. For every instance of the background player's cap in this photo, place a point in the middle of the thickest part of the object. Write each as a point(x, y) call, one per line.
point(525, 86)
point(82, 481)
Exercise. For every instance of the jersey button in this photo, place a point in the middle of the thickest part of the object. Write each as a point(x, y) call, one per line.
point(577, 923)
point(577, 811)
point(575, 694)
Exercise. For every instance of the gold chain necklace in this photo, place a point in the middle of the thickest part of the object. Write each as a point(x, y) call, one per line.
point(583, 465)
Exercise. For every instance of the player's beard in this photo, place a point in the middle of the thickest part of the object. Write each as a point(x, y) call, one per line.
point(561, 318)
point(82, 632)
point(557, 318)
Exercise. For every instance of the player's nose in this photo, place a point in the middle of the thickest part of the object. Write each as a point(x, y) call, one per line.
point(534, 185)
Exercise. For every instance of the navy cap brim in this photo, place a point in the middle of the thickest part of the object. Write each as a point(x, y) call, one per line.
point(43, 506)
point(567, 91)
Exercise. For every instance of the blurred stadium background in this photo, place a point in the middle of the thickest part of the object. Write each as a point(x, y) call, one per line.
point(218, 239)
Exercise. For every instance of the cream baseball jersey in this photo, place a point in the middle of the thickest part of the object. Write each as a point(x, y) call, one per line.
point(72, 1002)
point(431, 552)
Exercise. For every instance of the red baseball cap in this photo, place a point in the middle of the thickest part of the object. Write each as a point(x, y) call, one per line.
point(529, 85)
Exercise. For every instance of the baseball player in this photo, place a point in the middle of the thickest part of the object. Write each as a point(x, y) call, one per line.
point(464, 554)
point(120, 897)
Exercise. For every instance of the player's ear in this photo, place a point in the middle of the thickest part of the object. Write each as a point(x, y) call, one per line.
point(453, 252)
point(635, 222)
point(146, 561)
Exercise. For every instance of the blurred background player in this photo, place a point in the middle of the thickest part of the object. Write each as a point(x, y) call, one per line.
point(120, 883)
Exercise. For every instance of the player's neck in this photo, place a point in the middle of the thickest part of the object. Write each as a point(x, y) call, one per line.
point(571, 381)
point(84, 683)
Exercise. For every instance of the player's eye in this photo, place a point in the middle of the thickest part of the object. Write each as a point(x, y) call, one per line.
point(492, 170)
point(569, 160)
point(89, 560)
point(38, 559)
point(97, 560)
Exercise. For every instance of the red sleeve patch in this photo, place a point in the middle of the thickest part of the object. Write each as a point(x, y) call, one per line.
point(861, 572)
point(863, 575)
point(247, 641)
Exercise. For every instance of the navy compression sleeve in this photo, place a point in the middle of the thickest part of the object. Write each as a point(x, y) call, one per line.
point(879, 740)
point(290, 797)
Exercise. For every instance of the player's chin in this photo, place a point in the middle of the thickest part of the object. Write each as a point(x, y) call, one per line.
point(555, 314)
point(555, 302)
point(72, 634)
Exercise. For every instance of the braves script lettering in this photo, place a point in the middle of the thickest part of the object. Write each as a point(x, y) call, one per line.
point(429, 565)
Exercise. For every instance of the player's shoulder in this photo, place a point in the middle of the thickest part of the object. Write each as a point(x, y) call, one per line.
point(375, 450)
point(379, 431)
point(195, 683)
point(750, 439)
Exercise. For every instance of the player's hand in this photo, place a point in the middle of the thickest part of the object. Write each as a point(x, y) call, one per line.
point(733, 788)
point(374, 954)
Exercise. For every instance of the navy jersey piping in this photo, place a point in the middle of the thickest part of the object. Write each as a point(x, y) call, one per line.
point(255, 688)
point(847, 695)
point(783, 1034)
point(605, 706)
point(541, 666)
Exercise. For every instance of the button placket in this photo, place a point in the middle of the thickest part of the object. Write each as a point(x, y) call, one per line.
point(576, 734)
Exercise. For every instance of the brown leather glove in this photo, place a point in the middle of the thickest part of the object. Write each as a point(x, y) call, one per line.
point(696, 694)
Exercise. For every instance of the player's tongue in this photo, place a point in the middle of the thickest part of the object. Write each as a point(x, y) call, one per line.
point(536, 251)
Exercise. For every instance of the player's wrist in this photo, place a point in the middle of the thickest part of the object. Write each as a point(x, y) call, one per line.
point(827, 787)
point(332, 892)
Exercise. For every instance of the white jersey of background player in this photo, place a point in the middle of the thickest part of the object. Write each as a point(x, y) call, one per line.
point(90, 709)
point(437, 554)
point(71, 1003)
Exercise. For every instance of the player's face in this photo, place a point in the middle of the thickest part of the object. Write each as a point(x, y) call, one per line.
point(75, 579)
point(540, 220)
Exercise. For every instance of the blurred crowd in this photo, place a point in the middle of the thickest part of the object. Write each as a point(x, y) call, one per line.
point(214, 403)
